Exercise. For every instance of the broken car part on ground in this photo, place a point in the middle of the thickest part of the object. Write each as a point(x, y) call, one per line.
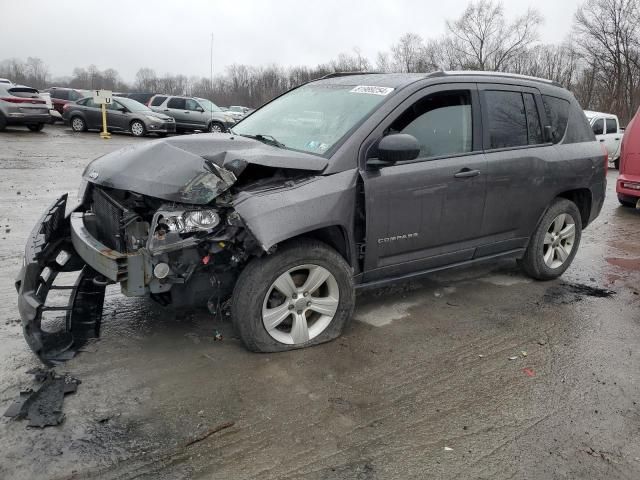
point(347, 181)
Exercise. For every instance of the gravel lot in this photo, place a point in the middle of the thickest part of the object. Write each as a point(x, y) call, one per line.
point(421, 386)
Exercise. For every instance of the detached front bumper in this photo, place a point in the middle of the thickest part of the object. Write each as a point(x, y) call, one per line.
point(132, 271)
point(48, 252)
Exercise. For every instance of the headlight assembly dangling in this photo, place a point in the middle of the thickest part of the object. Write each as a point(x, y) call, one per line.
point(190, 221)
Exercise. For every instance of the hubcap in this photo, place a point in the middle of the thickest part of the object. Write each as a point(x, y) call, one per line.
point(215, 128)
point(78, 124)
point(137, 128)
point(300, 304)
point(559, 240)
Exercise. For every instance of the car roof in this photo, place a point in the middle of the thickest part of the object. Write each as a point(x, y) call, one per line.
point(591, 114)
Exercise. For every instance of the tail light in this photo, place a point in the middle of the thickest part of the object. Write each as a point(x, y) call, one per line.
point(22, 100)
point(606, 158)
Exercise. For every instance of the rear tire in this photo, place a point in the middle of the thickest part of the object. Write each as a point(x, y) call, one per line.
point(555, 241)
point(138, 129)
point(78, 124)
point(626, 203)
point(305, 317)
point(36, 127)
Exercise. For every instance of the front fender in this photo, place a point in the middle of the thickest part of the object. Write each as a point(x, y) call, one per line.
point(273, 217)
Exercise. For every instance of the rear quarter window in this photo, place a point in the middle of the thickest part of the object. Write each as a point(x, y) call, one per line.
point(612, 125)
point(558, 115)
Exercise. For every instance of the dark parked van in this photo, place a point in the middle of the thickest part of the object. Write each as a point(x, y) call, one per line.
point(342, 183)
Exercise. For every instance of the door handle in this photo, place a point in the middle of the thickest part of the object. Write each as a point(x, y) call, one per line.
point(166, 109)
point(617, 139)
point(602, 140)
point(467, 173)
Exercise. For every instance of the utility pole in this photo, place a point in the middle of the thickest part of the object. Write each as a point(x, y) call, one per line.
point(211, 63)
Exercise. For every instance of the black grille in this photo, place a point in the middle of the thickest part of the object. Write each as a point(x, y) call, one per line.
point(109, 216)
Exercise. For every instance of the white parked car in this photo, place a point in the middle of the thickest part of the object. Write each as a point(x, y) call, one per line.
point(607, 129)
point(5, 81)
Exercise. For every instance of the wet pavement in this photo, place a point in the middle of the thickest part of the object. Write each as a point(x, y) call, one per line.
point(421, 385)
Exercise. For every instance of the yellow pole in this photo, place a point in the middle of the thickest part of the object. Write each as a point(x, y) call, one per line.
point(104, 134)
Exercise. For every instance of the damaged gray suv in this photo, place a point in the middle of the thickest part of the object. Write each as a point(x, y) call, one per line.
point(346, 182)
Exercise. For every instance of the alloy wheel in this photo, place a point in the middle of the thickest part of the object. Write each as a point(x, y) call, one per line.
point(559, 240)
point(77, 124)
point(300, 304)
point(137, 129)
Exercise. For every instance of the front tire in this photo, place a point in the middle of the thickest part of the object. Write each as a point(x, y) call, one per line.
point(216, 127)
point(78, 124)
point(555, 241)
point(138, 129)
point(300, 296)
point(35, 127)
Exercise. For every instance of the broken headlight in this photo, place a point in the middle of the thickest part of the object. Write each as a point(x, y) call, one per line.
point(173, 228)
point(189, 221)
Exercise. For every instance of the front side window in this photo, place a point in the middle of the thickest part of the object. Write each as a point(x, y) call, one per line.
point(507, 119)
point(440, 122)
point(177, 103)
point(598, 127)
point(315, 117)
point(157, 101)
point(612, 125)
point(191, 105)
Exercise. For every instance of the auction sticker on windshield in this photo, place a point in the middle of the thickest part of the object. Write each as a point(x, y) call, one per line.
point(371, 90)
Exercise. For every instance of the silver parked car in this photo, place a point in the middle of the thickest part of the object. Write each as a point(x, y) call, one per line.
point(192, 113)
point(20, 105)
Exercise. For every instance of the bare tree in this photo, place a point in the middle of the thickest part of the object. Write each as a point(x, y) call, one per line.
point(146, 80)
point(485, 40)
point(609, 36)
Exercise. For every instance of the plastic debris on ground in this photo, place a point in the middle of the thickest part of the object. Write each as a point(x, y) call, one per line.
point(529, 372)
point(217, 336)
point(513, 358)
point(448, 449)
point(43, 407)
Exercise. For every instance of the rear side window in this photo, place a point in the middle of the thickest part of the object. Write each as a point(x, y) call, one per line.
point(61, 94)
point(558, 114)
point(177, 103)
point(158, 100)
point(598, 126)
point(507, 119)
point(440, 122)
point(73, 95)
point(612, 125)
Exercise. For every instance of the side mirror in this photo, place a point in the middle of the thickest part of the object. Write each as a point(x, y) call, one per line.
point(397, 147)
point(199, 109)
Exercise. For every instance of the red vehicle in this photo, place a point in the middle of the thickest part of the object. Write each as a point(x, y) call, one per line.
point(61, 96)
point(628, 184)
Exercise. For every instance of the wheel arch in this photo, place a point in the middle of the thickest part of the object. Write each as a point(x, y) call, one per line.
point(583, 199)
point(334, 236)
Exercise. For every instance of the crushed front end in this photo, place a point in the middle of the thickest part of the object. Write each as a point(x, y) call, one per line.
point(176, 253)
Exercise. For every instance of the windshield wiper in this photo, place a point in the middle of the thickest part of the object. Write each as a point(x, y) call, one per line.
point(268, 139)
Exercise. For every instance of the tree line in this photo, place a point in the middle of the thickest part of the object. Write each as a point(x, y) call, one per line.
point(599, 62)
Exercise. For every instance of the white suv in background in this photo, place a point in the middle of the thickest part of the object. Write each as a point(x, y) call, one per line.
point(607, 129)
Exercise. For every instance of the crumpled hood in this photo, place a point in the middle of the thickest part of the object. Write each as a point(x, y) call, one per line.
point(191, 169)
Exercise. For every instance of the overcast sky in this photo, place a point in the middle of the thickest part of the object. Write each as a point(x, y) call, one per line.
point(173, 36)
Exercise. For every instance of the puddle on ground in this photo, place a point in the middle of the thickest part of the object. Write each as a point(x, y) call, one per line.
point(626, 263)
point(567, 293)
point(381, 314)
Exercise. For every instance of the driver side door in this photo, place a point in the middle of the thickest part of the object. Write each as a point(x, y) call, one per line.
point(426, 213)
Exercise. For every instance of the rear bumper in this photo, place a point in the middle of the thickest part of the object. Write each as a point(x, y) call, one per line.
point(628, 185)
point(26, 118)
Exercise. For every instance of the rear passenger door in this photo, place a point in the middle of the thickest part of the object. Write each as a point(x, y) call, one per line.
point(195, 114)
point(612, 138)
point(516, 153)
point(92, 113)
